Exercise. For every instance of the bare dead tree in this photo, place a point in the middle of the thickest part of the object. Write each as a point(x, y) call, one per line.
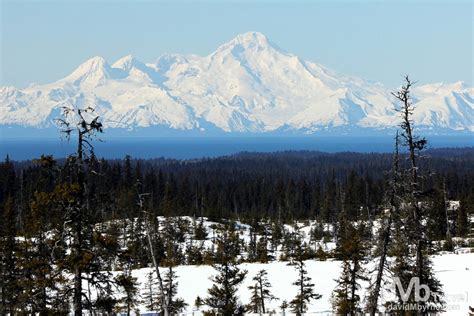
point(385, 230)
point(445, 203)
point(85, 126)
point(414, 199)
point(165, 300)
point(414, 145)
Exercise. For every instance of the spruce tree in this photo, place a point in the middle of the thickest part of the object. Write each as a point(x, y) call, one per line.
point(222, 296)
point(252, 246)
point(260, 292)
point(42, 289)
point(352, 250)
point(462, 221)
point(170, 290)
point(129, 301)
point(10, 288)
point(305, 288)
point(402, 266)
point(262, 250)
point(150, 293)
point(200, 232)
point(437, 217)
point(254, 306)
point(299, 304)
point(284, 306)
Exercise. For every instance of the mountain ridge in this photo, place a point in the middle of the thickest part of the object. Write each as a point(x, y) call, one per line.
point(247, 85)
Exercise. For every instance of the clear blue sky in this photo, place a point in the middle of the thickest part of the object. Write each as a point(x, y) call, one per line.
point(376, 40)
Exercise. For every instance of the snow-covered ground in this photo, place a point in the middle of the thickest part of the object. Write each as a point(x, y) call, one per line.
point(455, 271)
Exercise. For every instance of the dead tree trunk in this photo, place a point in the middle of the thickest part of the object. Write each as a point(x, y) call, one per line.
point(386, 232)
point(74, 122)
point(165, 302)
point(413, 146)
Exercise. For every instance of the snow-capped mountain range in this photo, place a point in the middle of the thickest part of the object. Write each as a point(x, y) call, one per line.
point(247, 85)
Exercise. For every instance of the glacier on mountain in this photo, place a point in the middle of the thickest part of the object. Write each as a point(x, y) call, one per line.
point(247, 85)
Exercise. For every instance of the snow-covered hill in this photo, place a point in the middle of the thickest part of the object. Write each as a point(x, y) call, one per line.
point(247, 85)
point(451, 269)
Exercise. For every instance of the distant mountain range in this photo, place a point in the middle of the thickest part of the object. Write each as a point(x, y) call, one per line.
point(246, 86)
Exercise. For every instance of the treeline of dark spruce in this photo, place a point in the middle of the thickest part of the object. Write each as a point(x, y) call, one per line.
point(247, 186)
point(66, 224)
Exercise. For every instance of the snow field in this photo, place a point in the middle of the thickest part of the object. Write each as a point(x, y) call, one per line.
point(455, 271)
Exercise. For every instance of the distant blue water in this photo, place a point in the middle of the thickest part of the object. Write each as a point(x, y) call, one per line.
point(198, 147)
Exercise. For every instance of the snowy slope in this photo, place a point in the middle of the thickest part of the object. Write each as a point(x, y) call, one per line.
point(453, 270)
point(247, 85)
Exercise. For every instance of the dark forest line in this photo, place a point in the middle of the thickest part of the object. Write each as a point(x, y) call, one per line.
point(288, 185)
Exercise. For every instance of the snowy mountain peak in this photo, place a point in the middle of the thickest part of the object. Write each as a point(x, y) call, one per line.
point(252, 38)
point(248, 85)
point(443, 88)
point(93, 64)
point(127, 63)
point(91, 73)
point(459, 85)
point(250, 41)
